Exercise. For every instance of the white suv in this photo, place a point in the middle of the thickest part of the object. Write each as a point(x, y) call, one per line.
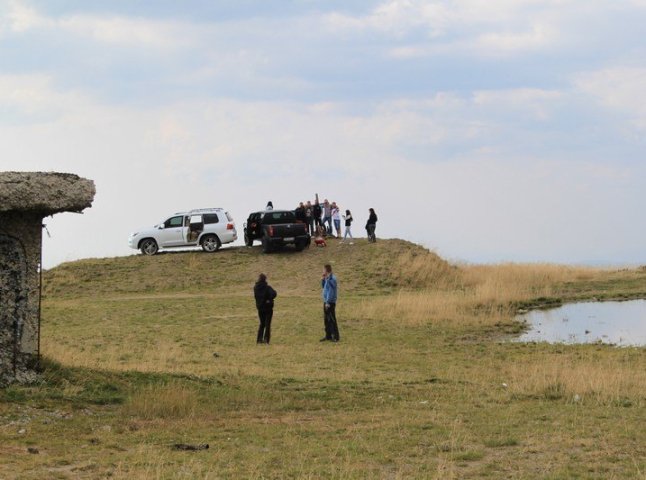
point(206, 227)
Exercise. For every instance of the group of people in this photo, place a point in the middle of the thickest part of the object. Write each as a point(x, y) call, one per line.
point(321, 218)
point(264, 295)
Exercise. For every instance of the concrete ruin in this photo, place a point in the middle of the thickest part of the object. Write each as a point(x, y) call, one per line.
point(25, 199)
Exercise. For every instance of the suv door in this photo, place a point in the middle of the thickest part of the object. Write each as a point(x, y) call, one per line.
point(195, 228)
point(254, 226)
point(173, 233)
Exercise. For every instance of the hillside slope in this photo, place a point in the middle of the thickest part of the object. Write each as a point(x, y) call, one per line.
point(363, 268)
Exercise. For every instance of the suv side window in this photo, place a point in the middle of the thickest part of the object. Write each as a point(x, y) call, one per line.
point(210, 218)
point(174, 222)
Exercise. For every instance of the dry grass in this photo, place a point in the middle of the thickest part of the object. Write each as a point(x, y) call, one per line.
point(157, 356)
point(506, 283)
point(613, 381)
point(170, 401)
point(472, 294)
point(417, 308)
point(413, 390)
point(424, 269)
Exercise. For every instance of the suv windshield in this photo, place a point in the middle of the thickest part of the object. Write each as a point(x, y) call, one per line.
point(274, 218)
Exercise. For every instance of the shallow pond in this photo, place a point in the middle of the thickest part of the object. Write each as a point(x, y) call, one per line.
point(617, 323)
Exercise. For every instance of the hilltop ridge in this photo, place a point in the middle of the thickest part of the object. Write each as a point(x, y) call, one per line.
point(363, 267)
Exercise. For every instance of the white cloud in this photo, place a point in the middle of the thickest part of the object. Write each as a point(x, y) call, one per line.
point(33, 98)
point(396, 17)
point(537, 102)
point(470, 26)
point(19, 17)
point(116, 30)
point(129, 31)
point(619, 88)
point(537, 37)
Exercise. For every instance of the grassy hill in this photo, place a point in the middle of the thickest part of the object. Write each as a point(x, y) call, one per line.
point(145, 352)
point(364, 269)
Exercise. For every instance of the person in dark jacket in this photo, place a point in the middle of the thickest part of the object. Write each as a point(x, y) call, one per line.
point(309, 217)
point(348, 225)
point(371, 225)
point(299, 212)
point(264, 295)
point(316, 214)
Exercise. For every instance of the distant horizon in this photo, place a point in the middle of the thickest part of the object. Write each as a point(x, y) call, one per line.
point(453, 261)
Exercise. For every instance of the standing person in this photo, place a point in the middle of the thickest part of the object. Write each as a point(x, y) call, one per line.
point(264, 295)
point(309, 217)
point(371, 225)
point(348, 226)
point(336, 218)
point(329, 285)
point(316, 213)
point(327, 216)
point(299, 212)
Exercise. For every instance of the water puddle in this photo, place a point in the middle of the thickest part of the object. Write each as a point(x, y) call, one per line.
point(617, 323)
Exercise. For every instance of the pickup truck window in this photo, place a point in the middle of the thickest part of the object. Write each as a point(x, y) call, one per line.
point(276, 218)
point(210, 218)
point(174, 222)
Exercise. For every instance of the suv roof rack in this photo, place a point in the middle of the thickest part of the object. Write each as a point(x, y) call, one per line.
point(198, 210)
point(204, 209)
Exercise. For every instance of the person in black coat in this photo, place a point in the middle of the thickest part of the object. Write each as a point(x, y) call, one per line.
point(264, 295)
point(316, 213)
point(371, 225)
point(299, 212)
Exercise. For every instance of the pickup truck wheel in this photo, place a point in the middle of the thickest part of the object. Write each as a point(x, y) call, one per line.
point(266, 246)
point(211, 243)
point(148, 246)
point(247, 241)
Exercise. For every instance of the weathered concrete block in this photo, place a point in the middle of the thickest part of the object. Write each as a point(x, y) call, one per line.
point(44, 192)
point(25, 199)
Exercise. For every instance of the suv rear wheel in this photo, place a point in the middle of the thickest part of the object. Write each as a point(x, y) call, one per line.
point(211, 243)
point(148, 246)
point(300, 245)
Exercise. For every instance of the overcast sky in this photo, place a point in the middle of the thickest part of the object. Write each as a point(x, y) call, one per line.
point(487, 130)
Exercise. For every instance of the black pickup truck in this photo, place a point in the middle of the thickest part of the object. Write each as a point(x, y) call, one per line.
point(276, 228)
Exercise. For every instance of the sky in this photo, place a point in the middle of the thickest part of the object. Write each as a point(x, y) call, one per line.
point(485, 130)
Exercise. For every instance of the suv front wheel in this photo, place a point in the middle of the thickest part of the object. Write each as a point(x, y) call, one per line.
point(148, 246)
point(211, 243)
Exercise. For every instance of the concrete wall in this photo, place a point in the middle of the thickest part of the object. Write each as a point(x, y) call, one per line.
point(20, 247)
point(25, 199)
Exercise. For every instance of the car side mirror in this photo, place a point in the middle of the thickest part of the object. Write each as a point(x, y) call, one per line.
point(160, 226)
